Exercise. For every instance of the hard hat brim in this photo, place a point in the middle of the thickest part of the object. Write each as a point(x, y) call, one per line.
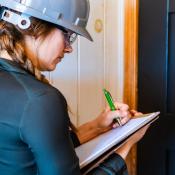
point(80, 31)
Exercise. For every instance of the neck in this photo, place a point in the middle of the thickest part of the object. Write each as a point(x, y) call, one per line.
point(4, 54)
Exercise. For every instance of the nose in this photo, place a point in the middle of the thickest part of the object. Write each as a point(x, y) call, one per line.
point(68, 49)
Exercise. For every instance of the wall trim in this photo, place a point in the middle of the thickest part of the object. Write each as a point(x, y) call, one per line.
point(131, 67)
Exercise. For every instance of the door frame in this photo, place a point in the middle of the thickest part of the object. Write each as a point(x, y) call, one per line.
point(131, 68)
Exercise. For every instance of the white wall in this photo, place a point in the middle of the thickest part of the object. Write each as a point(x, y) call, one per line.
point(82, 75)
point(115, 47)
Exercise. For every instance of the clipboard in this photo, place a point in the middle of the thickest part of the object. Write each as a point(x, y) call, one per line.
point(96, 150)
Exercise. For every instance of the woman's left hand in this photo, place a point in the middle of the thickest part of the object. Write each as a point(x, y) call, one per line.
point(106, 119)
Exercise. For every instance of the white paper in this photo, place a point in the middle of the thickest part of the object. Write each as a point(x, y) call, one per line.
point(89, 151)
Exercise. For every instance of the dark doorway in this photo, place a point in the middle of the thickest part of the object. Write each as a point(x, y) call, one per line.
point(156, 85)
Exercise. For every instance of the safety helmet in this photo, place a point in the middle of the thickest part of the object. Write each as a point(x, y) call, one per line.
point(70, 14)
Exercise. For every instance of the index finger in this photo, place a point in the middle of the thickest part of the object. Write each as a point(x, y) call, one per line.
point(121, 106)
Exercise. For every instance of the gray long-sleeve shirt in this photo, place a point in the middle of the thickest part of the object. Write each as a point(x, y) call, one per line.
point(34, 128)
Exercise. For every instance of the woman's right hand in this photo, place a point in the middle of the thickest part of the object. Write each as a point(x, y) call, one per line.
point(105, 119)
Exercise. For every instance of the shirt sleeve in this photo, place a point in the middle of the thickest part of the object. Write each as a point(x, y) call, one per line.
point(45, 129)
point(114, 165)
point(75, 139)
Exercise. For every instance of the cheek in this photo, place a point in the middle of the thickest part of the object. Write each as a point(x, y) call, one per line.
point(49, 57)
point(52, 50)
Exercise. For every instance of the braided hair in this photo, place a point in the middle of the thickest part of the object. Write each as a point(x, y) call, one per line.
point(12, 41)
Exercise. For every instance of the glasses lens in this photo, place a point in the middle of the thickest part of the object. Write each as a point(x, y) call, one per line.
point(72, 38)
point(69, 36)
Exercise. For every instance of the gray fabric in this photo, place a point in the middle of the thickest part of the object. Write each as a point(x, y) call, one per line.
point(34, 126)
point(34, 129)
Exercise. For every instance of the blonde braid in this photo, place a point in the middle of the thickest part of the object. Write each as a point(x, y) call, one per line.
point(12, 41)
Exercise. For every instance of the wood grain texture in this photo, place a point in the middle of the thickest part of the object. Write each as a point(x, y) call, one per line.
point(131, 69)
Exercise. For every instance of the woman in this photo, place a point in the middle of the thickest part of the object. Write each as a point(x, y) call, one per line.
point(36, 135)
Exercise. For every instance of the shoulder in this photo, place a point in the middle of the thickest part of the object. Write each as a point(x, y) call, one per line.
point(37, 89)
point(46, 108)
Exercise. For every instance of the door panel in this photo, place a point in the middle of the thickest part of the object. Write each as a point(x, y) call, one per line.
point(171, 66)
point(157, 86)
point(172, 6)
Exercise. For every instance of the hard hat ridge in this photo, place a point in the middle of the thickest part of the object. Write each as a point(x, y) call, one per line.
point(71, 14)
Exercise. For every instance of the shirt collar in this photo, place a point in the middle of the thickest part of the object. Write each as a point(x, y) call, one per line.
point(11, 66)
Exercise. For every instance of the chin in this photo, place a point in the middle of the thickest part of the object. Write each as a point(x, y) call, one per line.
point(48, 68)
point(51, 68)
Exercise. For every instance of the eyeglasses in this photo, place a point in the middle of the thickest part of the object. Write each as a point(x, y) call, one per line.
point(69, 37)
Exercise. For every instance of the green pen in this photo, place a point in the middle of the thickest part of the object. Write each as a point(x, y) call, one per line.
point(111, 105)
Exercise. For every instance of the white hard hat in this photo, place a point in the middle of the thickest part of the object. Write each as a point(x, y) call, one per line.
point(70, 14)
